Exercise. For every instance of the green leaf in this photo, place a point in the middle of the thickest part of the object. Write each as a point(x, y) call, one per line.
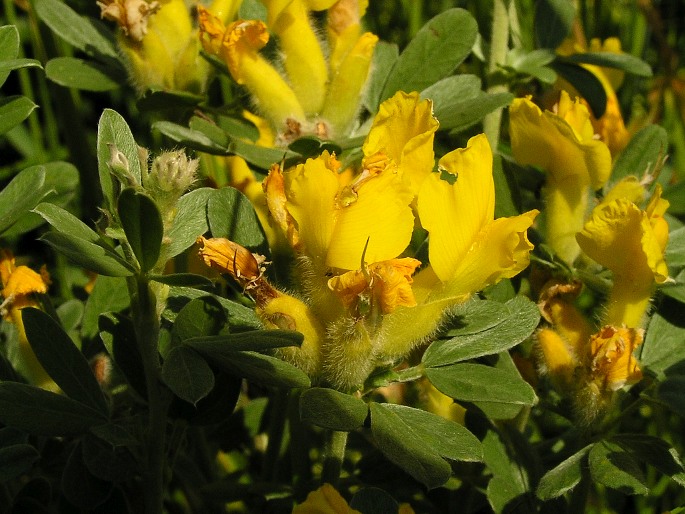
point(644, 154)
point(517, 323)
point(553, 22)
point(114, 131)
point(62, 360)
point(183, 280)
point(60, 186)
point(671, 392)
point(82, 32)
point(626, 62)
point(589, 86)
point(119, 338)
point(655, 452)
point(240, 317)
point(434, 53)
point(91, 256)
point(65, 222)
point(187, 374)
point(190, 138)
point(16, 64)
point(261, 369)
point(438, 48)
point(459, 102)
point(676, 195)
point(80, 74)
point(109, 294)
point(476, 382)
point(447, 438)
point(16, 460)
point(613, 467)
point(214, 408)
point(563, 477)
point(14, 110)
point(21, 195)
point(385, 56)
point(332, 409)
point(398, 441)
point(200, 317)
point(107, 462)
point(80, 486)
point(661, 352)
point(190, 221)
point(162, 99)
point(231, 215)
point(312, 146)
point(9, 47)
point(675, 251)
point(143, 226)
point(260, 156)
point(253, 341)
point(41, 412)
point(373, 499)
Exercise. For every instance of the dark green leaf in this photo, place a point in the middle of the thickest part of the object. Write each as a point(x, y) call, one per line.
point(187, 374)
point(260, 156)
point(644, 154)
point(232, 216)
point(107, 462)
point(434, 53)
point(190, 221)
point(60, 186)
point(253, 340)
point(403, 446)
point(589, 86)
point(613, 467)
point(82, 32)
point(662, 350)
point(447, 438)
point(118, 336)
point(190, 138)
point(62, 360)
point(142, 223)
point(676, 195)
point(80, 74)
point(384, 58)
point(655, 452)
point(114, 435)
point(372, 499)
point(21, 195)
point(79, 485)
point(16, 460)
point(564, 477)
point(310, 146)
point(114, 132)
point(240, 317)
point(238, 128)
point(258, 368)
point(70, 314)
point(214, 408)
point(14, 110)
point(161, 100)
point(332, 409)
point(109, 294)
point(209, 129)
point(41, 412)
point(626, 62)
point(16, 64)
point(553, 22)
point(521, 319)
point(200, 317)
point(671, 392)
point(476, 382)
point(91, 256)
point(183, 280)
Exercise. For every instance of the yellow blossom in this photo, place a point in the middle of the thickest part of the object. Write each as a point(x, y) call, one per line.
point(630, 242)
point(325, 500)
point(563, 144)
point(612, 362)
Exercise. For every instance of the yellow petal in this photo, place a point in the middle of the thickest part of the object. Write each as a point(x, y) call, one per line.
point(557, 358)
point(455, 214)
point(403, 130)
point(311, 190)
point(24, 281)
point(556, 306)
point(349, 286)
point(629, 188)
point(277, 204)
point(392, 283)
point(559, 145)
point(380, 215)
point(611, 357)
point(325, 500)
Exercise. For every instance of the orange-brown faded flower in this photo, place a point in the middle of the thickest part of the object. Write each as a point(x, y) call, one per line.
point(131, 15)
point(387, 284)
point(325, 500)
point(612, 362)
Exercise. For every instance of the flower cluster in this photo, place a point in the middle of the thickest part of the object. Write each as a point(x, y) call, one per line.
point(359, 302)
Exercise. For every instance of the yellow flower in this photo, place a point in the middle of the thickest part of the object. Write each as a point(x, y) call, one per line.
point(630, 242)
point(563, 144)
point(19, 285)
point(612, 362)
point(238, 45)
point(325, 500)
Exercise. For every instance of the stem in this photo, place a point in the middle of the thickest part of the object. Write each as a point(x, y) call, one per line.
point(334, 455)
point(499, 44)
point(279, 409)
point(144, 310)
point(299, 445)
